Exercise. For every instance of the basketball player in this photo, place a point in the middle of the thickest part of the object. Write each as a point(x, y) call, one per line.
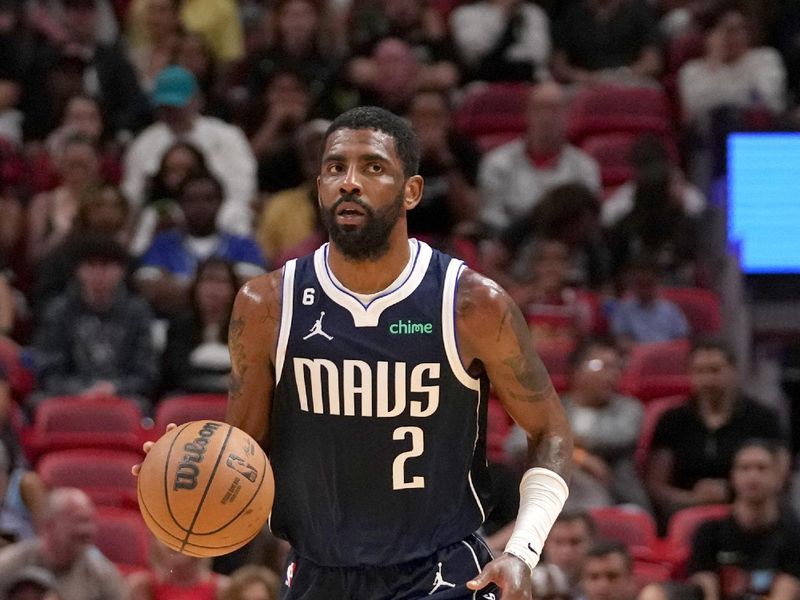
point(364, 369)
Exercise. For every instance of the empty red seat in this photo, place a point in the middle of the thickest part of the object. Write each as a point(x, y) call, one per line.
point(105, 475)
point(191, 407)
point(619, 109)
point(123, 538)
point(657, 370)
point(702, 308)
point(646, 572)
point(612, 152)
point(493, 114)
point(68, 422)
point(631, 526)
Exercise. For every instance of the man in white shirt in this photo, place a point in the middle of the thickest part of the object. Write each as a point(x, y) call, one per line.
point(225, 147)
point(65, 548)
point(513, 177)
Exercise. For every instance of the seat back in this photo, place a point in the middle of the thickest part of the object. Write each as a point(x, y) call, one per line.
point(123, 538)
point(612, 152)
point(105, 475)
point(191, 407)
point(702, 308)
point(67, 414)
point(608, 108)
point(632, 527)
point(656, 370)
point(493, 114)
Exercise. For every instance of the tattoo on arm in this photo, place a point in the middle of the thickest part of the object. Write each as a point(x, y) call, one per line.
point(503, 322)
point(552, 447)
point(238, 356)
point(529, 371)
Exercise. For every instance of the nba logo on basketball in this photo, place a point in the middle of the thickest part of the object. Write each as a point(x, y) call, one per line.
point(289, 574)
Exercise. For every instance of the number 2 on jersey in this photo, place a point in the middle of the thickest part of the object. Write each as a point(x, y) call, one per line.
point(399, 481)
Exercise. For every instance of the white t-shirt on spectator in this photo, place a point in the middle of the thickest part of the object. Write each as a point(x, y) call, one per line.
point(227, 153)
point(511, 185)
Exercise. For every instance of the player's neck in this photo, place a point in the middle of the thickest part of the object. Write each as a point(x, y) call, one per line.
point(369, 277)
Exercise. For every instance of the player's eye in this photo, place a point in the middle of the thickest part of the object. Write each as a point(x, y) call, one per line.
point(375, 168)
point(335, 168)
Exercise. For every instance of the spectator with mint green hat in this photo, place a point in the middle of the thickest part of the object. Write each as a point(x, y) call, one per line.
point(178, 105)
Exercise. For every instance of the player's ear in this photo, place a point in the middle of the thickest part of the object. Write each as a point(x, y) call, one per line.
point(413, 191)
point(319, 197)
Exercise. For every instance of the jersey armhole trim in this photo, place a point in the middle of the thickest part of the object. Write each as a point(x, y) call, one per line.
point(449, 333)
point(285, 327)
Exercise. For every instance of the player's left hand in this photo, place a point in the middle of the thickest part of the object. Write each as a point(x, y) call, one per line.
point(509, 573)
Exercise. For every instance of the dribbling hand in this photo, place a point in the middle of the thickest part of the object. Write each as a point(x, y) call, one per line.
point(146, 447)
point(509, 573)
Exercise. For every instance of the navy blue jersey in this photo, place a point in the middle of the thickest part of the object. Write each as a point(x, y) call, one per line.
point(377, 430)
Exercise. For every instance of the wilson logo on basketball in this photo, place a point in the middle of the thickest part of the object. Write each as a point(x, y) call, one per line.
point(187, 472)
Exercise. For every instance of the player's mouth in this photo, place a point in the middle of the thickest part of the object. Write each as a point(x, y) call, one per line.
point(350, 213)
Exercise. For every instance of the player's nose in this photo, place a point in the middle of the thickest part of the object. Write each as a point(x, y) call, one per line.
point(351, 183)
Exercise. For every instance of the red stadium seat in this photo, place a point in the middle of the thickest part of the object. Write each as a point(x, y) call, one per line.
point(123, 538)
point(657, 370)
point(191, 407)
point(633, 527)
point(682, 527)
point(75, 422)
point(652, 413)
point(702, 308)
point(493, 114)
point(646, 572)
point(619, 109)
point(105, 475)
point(612, 152)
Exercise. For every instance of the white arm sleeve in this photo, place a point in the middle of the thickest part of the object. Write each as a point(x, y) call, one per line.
point(542, 494)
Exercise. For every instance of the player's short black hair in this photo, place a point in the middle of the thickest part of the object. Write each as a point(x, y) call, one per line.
point(379, 119)
point(603, 548)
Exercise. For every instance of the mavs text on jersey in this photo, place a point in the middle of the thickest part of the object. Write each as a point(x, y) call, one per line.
point(378, 431)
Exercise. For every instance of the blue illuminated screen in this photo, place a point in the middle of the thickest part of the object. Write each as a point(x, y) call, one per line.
point(764, 201)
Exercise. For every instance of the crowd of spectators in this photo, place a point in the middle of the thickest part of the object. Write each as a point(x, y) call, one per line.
point(156, 154)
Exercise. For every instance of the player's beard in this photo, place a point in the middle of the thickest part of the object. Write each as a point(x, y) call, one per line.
point(368, 241)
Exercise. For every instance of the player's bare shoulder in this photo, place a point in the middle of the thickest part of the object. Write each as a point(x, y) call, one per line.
point(482, 308)
point(257, 309)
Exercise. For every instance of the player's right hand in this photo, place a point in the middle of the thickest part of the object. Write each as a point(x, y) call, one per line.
point(146, 448)
point(509, 573)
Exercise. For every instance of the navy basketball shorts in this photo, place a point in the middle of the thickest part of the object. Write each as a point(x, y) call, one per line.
point(441, 576)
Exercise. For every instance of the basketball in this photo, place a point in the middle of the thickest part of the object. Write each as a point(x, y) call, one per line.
point(205, 488)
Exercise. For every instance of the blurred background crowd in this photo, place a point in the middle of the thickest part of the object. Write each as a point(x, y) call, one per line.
point(155, 154)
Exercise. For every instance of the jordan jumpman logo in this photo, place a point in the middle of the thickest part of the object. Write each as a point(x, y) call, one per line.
point(438, 581)
point(317, 329)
